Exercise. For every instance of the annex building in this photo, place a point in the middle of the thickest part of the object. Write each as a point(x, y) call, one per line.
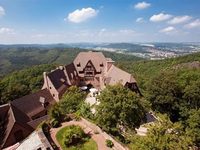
point(20, 117)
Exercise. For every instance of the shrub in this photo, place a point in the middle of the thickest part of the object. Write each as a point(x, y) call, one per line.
point(44, 126)
point(54, 123)
point(73, 135)
point(76, 116)
point(67, 118)
point(109, 143)
point(85, 111)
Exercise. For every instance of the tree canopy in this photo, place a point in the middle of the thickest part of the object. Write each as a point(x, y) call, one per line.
point(175, 92)
point(72, 100)
point(23, 82)
point(119, 107)
point(163, 135)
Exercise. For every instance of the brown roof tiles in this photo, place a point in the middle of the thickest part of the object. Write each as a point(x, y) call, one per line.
point(115, 75)
point(31, 105)
point(96, 58)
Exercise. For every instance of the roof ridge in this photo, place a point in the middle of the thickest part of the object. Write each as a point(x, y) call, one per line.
point(22, 113)
point(7, 135)
point(13, 116)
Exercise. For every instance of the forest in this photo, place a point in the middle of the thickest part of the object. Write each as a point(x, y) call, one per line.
point(13, 58)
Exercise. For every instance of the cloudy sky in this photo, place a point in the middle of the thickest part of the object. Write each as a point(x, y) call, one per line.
point(70, 21)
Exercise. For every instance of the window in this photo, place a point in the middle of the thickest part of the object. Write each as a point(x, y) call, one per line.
point(89, 67)
point(78, 65)
point(89, 73)
point(101, 65)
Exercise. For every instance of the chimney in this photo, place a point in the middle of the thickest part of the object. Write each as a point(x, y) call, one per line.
point(45, 85)
point(61, 67)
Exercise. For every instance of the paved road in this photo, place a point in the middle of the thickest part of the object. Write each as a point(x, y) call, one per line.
point(90, 128)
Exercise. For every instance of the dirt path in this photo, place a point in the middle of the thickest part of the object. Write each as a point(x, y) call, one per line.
point(90, 128)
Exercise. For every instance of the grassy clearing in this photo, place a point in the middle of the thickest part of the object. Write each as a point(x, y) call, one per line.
point(89, 143)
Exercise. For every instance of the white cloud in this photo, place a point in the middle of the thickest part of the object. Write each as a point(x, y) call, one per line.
point(160, 17)
point(5, 30)
point(2, 11)
point(180, 19)
point(142, 5)
point(139, 20)
point(168, 30)
point(194, 24)
point(81, 15)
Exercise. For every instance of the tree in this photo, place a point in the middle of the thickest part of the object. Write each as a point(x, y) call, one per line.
point(163, 135)
point(73, 135)
point(72, 100)
point(192, 94)
point(175, 92)
point(193, 126)
point(85, 111)
point(164, 93)
point(119, 107)
point(55, 112)
point(23, 82)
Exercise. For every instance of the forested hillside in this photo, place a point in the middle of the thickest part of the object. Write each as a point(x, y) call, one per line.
point(145, 70)
point(16, 58)
point(172, 87)
point(23, 82)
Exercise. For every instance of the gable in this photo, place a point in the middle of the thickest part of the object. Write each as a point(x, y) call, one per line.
point(116, 75)
point(17, 133)
point(97, 58)
point(89, 66)
point(58, 78)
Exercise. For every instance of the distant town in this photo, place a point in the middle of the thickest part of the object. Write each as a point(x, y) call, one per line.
point(152, 51)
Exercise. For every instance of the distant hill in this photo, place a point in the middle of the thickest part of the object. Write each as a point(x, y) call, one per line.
point(127, 46)
point(16, 57)
point(145, 70)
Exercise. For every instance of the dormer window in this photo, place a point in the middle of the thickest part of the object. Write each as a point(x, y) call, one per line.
point(78, 65)
point(62, 80)
point(42, 101)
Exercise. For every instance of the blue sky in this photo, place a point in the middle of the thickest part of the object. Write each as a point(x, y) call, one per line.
point(71, 21)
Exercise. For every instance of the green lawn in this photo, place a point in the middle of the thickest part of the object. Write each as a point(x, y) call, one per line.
point(90, 144)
